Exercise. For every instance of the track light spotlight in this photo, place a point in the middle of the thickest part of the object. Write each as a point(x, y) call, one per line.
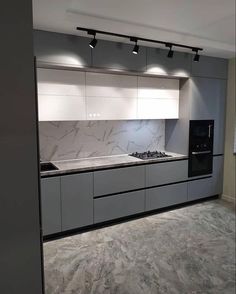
point(136, 46)
point(171, 52)
point(93, 43)
point(196, 56)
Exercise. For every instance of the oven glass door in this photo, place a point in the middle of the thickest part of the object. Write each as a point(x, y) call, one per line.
point(200, 164)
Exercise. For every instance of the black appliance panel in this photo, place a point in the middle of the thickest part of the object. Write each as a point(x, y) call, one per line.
point(201, 134)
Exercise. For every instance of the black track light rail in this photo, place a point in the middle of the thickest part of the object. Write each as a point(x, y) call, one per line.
point(135, 39)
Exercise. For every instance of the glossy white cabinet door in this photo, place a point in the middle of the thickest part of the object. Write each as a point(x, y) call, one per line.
point(61, 95)
point(149, 87)
point(61, 108)
point(99, 108)
point(110, 85)
point(158, 108)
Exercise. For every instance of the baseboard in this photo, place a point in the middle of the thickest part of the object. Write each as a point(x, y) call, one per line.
point(228, 198)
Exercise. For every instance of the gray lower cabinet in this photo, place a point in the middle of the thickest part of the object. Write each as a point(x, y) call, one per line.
point(166, 172)
point(203, 188)
point(117, 206)
point(119, 180)
point(51, 205)
point(166, 196)
point(77, 200)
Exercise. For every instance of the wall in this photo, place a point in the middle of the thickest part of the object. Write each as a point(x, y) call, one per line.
point(79, 139)
point(20, 244)
point(230, 158)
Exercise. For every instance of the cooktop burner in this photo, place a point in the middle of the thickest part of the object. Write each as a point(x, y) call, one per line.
point(150, 155)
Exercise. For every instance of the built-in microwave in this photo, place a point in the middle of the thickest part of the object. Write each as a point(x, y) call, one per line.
point(201, 135)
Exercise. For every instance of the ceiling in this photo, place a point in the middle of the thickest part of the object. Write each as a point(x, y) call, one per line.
point(202, 23)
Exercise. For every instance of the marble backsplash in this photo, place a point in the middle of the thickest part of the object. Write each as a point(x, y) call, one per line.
point(80, 139)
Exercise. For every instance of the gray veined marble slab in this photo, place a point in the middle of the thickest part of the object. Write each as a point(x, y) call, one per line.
point(95, 163)
point(190, 250)
point(67, 140)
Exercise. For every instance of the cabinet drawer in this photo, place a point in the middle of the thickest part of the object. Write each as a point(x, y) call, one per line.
point(200, 189)
point(77, 200)
point(51, 205)
point(117, 206)
point(118, 180)
point(166, 196)
point(166, 172)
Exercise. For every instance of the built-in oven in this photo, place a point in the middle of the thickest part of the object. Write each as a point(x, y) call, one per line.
point(201, 134)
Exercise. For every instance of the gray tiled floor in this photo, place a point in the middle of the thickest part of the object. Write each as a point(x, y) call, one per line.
point(187, 250)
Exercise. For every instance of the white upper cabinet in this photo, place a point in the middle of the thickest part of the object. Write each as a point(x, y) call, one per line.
point(61, 95)
point(73, 95)
point(158, 98)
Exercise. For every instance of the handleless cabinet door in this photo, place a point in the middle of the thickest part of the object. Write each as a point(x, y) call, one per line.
point(119, 180)
point(51, 205)
point(166, 196)
point(114, 55)
point(166, 172)
point(208, 187)
point(77, 200)
point(210, 67)
point(208, 102)
point(62, 49)
point(159, 63)
point(117, 206)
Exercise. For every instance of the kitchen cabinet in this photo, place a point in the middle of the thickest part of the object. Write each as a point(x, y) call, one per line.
point(110, 96)
point(56, 49)
point(158, 63)
point(77, 200)
point(166, 172)
point(207, 187)
point(211, 67)
point(118, 56)
point(117, 206)
point(51, 205)
point(208, 102)
point(61, 95)
point(164, 196)
point(118, 180)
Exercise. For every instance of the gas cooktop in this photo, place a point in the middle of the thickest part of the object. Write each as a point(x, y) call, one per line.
point(150, 155)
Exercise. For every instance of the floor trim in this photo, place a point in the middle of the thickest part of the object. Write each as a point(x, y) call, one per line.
point(228, 198)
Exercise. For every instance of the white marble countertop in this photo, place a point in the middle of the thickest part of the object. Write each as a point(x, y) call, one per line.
point(96, 163)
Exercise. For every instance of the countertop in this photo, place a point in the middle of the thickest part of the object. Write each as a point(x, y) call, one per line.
point(97, 163)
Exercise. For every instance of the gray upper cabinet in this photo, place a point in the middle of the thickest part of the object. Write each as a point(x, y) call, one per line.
point(166, 172)
point(77, 200)
point(62, 49)
point(208, 102)
point(159, 63)
point(51, 205)
point(113, 55)
point(210, 67)
point(118, 180)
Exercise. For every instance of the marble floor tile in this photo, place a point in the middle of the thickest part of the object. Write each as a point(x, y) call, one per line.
point(190, 250)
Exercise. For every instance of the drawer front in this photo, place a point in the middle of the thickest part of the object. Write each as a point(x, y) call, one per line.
point(166, 172)
point(118, 180)
point(166, 196)
point(200, 189)
point(77, 200)
point(116, 206)
point(51, 205)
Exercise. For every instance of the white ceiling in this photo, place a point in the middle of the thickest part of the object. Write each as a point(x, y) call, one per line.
point(203, 23)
